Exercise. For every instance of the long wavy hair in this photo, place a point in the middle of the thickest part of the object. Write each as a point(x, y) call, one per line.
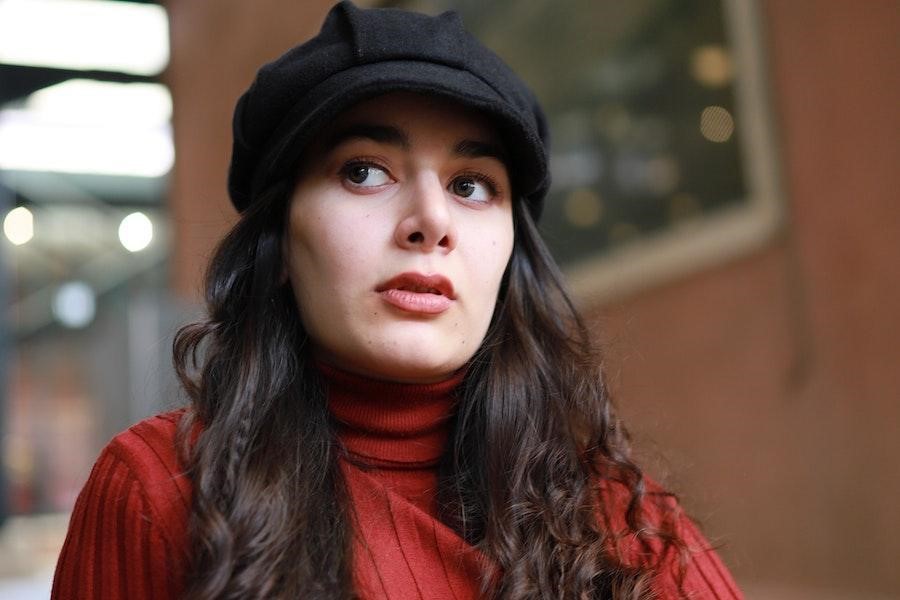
point(534, 442)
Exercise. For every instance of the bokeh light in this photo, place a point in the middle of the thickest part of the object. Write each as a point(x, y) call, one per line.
point(136, 232)
point(75, 304)
point(716, 124)
point(18, 226)
point(583, 208)
point(711, 66)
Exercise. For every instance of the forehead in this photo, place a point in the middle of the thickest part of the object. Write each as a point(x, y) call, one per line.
point(408, 111)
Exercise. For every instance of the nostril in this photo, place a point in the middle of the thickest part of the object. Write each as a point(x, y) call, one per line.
point(445, 241)
point(416, 237)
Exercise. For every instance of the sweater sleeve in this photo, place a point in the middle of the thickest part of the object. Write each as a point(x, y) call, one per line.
point(705, 575)
point(122, 540)
point(690, 571)
point(700, 570)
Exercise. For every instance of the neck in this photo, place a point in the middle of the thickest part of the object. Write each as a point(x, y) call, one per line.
point(391, 424)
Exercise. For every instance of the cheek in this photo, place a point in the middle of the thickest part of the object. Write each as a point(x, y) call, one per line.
point(489, 260)
point(328, 261)
point(500, 249)
point(307, 233)
point(298, 268)
point(303, 258)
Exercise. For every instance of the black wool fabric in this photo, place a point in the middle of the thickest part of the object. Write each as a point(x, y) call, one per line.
point(362, 53)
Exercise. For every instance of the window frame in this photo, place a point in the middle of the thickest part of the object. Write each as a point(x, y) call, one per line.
point(730, 233)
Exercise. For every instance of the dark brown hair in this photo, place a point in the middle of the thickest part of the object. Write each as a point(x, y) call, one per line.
point(534, 440)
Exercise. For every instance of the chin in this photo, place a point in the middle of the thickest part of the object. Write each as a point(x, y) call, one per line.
point(418, 351)
point(418, 360)
point(415, 367)
point(407, 354)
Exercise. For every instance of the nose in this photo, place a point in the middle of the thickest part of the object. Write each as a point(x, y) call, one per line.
point(426, 223)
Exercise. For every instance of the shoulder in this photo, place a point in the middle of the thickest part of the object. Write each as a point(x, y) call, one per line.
point(148, 452)
point(127, 535)
point(144, 459)
point(149, 449)
point(689, 567)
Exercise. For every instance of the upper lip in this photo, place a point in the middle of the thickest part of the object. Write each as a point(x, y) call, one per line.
point(417, 282)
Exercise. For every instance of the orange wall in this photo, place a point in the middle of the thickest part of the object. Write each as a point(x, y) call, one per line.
point(772, 384)
point(217, 46)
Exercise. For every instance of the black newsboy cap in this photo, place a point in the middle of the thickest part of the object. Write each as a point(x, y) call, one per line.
point(361, 53)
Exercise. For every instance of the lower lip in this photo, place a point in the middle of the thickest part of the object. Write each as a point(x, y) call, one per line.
point(416, 302)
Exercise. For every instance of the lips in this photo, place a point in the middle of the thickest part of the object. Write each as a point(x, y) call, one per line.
point(418, 293)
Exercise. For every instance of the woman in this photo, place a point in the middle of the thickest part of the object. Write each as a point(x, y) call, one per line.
point(392, 396)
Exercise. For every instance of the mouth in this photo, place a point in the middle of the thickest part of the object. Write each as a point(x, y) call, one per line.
point(418, 293)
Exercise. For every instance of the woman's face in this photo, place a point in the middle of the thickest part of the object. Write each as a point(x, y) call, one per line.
point(399, 231)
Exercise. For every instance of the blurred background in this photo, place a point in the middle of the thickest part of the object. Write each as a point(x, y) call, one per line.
point(726, 205)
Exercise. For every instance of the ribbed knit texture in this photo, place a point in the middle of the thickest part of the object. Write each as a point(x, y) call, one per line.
point(127, 536)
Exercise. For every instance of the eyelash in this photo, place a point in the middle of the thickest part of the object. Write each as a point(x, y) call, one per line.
point(362, 161)
point(492, 186)
point(489, 182)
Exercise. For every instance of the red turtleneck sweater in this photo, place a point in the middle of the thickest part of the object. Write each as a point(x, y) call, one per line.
point(127, 536)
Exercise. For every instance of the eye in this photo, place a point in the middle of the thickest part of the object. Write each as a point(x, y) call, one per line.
point(365, 175)
point(476, 188)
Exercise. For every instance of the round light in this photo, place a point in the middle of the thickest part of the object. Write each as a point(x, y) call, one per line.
point(136, 232)
point(19, 225)
point(711, 66)
point(716, 124)
point(583, 208)
point(75, 304)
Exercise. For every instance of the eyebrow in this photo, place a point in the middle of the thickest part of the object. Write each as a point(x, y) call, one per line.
point(479, 149)
point(386, 134)
point(383, 134)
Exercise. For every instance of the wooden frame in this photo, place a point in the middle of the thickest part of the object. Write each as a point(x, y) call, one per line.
point(714, 239)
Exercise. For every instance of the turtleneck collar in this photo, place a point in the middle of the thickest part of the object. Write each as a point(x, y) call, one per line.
point(389, 424)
